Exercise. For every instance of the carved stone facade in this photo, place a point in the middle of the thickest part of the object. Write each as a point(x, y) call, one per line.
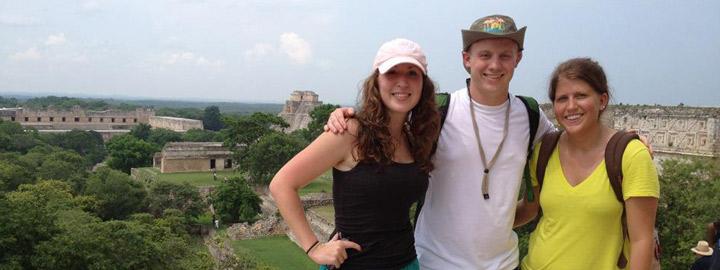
point(297, 109)
point(673, 131)
point(676, 130)
point(174, 123)
point(193, 156)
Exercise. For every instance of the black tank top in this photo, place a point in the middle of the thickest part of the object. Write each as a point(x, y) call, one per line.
point(372, 204)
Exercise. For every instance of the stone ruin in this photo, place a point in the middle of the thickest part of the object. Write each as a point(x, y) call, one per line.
point(296, 111)
point(673, 131)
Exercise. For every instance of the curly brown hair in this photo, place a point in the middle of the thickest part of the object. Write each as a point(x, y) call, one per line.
point(422, 129)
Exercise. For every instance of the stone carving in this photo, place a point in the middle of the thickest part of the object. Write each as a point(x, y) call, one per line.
point(673, 131)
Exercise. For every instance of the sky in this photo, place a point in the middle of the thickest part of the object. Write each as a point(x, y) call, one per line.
point(653, 51)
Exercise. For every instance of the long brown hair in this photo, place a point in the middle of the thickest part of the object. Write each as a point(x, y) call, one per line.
point(585, 69)
point(422, 129)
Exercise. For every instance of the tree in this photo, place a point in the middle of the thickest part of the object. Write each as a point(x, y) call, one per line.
point(161, 136)
point(319, 117)
point(113, 245)
point(243, 131)
point(141, 131)
point(27, 218)
point(8, 102)
point(165, 195)
point(688, 203)
point(212, 119)
point(235, 201)
point(13, 175)
point(64, 165)
point(264, 158)
point(201, 135)
point(88, 144)
point(117, 194)
point(190, 113)
point(127, 152)
point(14, 138)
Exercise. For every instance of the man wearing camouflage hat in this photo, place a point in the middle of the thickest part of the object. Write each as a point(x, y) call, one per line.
point(470, 207)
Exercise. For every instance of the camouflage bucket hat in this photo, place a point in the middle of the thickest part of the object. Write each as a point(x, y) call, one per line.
point(493, 26)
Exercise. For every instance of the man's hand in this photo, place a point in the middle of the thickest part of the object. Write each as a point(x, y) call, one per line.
point(337, 122)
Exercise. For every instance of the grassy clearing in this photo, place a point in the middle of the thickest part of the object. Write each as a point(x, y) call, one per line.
point(322, 184)
point(276, 251)
point(198, 179)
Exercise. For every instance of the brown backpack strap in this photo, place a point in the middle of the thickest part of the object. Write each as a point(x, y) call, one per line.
point(549, 141)
point(613, 165)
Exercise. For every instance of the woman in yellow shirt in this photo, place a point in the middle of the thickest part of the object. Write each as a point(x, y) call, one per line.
point(581, 223)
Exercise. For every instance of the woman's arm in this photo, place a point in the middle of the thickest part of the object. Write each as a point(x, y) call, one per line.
point(527, 211)
point(640, 213)
point(711, 234)
point(322, 154)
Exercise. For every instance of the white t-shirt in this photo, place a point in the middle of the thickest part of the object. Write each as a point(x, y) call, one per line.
point(457, 228)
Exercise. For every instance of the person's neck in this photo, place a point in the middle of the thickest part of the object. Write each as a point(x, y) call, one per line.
point(589, 140)
point(396, 125)
point(487, 98)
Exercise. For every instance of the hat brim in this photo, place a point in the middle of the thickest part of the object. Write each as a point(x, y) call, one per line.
point(388, 64)
point(706, 253)
point(470, 37)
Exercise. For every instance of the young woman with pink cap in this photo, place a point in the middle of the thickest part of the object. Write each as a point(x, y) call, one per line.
point(380, 167)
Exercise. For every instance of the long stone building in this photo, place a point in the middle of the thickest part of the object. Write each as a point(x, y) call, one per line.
point(296, 111)
point(673, 131)
point(175, 123)
point(76, 118)
point(108, 123)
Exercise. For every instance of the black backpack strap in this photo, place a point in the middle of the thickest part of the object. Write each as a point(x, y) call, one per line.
point(442, 101)
point(549, 141)
point(613, 165)
point(533, 110)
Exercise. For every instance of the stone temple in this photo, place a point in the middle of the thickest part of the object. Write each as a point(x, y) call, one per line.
point(297, 109)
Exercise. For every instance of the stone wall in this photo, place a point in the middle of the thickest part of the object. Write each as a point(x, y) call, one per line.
point(174, 123)
point(296, 111)
point(673, 131)
point(77, 118)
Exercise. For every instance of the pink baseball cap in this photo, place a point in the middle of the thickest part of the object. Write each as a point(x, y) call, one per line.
point(399, 51)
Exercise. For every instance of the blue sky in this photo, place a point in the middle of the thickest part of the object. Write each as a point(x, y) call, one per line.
point(655, 52)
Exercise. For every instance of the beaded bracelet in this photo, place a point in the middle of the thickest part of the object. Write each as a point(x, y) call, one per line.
point(311, 247)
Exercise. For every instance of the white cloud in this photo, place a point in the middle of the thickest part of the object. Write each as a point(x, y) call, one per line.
point(295, 47)
point(57, 39)
point(12, 20)
point(29, 54)
point(260, 50)
point(184, 58)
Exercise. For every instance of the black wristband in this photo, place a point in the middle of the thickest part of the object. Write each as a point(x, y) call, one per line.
point(307, 252)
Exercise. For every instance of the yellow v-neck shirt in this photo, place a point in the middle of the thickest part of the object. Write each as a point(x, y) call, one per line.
point(581, 225)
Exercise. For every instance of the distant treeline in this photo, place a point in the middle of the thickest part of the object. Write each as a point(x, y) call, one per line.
point(187, 109)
